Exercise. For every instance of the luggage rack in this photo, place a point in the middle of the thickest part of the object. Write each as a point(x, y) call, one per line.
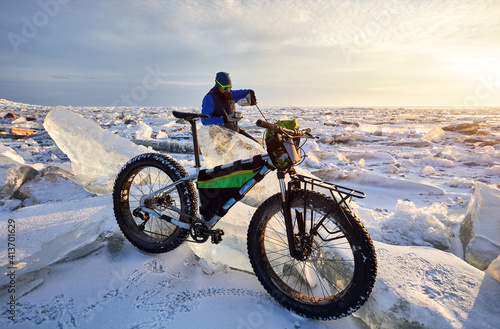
point(344, 193)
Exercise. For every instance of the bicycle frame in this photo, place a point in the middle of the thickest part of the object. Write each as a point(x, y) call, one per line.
point(212, 221)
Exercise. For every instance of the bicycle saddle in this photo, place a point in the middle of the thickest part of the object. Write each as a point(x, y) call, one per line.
point(189, 116)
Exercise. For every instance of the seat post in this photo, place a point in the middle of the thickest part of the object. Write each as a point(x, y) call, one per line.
point(194, 132)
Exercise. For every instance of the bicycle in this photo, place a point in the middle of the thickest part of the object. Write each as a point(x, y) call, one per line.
point(307, 248)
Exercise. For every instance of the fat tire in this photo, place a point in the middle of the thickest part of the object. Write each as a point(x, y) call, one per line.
point(328, 307)
point(123, 202)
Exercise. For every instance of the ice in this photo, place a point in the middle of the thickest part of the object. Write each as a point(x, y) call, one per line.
point(144, 132)
point(12, 177)
point(409, 225)
point(183, 147)
point(62, 188)
point(453, 152)
point(437, 133)
point(495, 169)
point(428, 171)
point(23, 185)
point(461, 182)
point(212, 268)
point(487, 155)
point(480, 229)
point(371, 180)
point(9, 156)
point(221, 146)
point(232, 251)
point(46, 233)
point(464, 128)
point(494, 269)
point(318, 159)
point(96, 154)
point(437, 162)
point(368, 156)
point(419, 287)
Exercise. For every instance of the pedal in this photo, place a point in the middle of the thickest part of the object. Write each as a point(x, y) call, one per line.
point(217, 236)
point(200, 233)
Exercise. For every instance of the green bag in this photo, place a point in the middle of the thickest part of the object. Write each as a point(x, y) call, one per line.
point(283, 151)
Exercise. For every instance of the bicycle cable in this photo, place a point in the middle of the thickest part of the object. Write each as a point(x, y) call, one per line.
point(260, 112)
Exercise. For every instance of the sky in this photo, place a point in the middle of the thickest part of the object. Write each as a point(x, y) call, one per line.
point(291, 53)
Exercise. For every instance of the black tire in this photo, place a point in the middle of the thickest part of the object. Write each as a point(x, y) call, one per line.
point(141, 176)
point(337, 276)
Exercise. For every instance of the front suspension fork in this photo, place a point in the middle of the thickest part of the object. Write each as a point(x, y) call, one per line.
point(285, 204)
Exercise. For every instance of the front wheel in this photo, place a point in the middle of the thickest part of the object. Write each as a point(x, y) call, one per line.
point(335, 270)
point(140, 177)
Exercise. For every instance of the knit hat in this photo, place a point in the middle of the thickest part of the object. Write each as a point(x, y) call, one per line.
point(223, 78)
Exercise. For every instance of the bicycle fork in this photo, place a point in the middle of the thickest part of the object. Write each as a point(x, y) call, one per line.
point(286, 205)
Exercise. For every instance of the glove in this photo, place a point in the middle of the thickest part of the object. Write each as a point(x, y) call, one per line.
point(234, 117)
point(253, 99)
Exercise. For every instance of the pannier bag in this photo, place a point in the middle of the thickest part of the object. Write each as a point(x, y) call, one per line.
point(220, 187)
point(284, 152)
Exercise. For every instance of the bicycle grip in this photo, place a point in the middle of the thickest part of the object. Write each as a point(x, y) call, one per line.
point(267, 125)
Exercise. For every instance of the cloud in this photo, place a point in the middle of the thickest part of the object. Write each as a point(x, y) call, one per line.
point(69, 76)
point(293, 51)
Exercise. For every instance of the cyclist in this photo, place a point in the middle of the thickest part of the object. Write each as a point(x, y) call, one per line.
point(219, 104)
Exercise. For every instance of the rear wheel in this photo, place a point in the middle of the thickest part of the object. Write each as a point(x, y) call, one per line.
point(142, 176)
point(335, 271)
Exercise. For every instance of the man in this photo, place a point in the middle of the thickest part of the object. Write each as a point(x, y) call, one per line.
point(219, 104)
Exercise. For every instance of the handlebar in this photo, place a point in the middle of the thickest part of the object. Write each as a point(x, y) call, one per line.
point(278, 129)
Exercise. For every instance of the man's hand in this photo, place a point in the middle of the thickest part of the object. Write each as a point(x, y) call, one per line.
point(234, 117)
point(253, 99)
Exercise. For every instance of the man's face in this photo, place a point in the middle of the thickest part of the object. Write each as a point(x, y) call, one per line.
point(225, 91)
point(226, 94)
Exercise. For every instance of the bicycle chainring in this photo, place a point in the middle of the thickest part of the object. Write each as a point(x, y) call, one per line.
point(199, 232)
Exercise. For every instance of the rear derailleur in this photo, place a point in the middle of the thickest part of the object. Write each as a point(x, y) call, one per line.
point(200, 233)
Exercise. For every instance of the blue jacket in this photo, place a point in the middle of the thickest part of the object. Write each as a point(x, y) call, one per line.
point(208, 107)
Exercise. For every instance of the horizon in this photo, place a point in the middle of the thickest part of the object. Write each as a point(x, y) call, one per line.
point(432, 53)
point(313, 107)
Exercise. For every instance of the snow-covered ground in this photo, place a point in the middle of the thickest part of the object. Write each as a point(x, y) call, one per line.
point(432, 179)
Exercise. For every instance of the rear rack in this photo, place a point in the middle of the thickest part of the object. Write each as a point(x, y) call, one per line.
point(344, 193)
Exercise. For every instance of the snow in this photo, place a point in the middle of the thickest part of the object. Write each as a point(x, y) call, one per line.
point(420, 287)
point(423, 184)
